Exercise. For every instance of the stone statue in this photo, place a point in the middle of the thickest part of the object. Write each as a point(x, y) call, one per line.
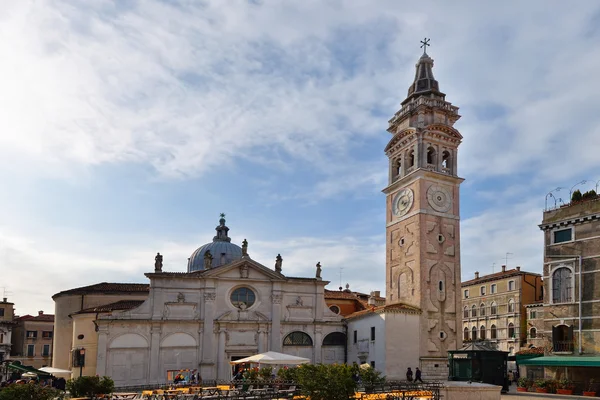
point(245, 248)
point(319, 270)
point(208, 260)
point(158, 262)
point(244, 271)
point(278, 261)
point(299, 301)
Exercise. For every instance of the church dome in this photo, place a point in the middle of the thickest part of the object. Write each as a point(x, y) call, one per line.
point(221, 250)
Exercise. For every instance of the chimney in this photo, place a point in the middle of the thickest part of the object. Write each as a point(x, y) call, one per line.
point(377, 293)
point(477, 275)
point(4, 300)
point(40, 312)
point(372, 301)
point(518, 267)
point(504, 268)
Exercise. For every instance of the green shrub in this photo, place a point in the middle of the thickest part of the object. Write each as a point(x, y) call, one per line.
point(370, 377)
point(541, 383)
point(265, 372)
point(576, 196)
point(30, 391)
point(90, 385)
point(326, 382)
point(288, 374)
point(524, 382)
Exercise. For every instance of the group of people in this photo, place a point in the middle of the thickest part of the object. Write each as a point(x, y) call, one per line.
point(57, 383)
point(409, 375)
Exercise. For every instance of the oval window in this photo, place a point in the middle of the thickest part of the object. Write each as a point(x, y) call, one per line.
point(243, 298)
point(80, 337)
point(335, 309)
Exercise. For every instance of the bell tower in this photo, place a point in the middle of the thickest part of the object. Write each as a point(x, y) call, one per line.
point(422, 216)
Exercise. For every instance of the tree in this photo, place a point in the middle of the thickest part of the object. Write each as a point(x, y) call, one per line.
point(87, 386)
point(326, 382)
point(577, 196)
point(29, 391)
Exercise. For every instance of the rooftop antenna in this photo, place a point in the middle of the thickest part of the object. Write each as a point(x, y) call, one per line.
point(506, 259)
point(5, 293)
point(341, 273)
point(493, 267)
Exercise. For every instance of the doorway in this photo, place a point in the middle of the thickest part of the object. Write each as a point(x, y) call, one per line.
point(235, 368)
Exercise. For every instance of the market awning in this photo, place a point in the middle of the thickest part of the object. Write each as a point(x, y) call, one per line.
point(563, 361)
point(23, 368)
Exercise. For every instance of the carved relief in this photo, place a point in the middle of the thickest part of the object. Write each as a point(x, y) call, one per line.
point(276, 298)
point(431, 248)
point(450, 230)
point(449, 251)
point(431, 226)
point(208, 297)
point(406, 283)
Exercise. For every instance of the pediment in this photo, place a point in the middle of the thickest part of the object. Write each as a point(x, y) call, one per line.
point(239, 315)
point(448, 130)
point(246, 268)
point(399, 138)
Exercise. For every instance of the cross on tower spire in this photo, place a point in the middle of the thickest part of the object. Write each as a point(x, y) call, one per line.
point(425, 43)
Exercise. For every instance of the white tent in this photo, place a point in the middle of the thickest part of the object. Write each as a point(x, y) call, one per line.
point(272, 357)
point(55, 371)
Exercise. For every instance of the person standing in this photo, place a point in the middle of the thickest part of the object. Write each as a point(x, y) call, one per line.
point(409, 374)
point(418, 375)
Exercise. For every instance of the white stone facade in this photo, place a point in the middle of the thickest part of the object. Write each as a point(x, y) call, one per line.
point(190, 322)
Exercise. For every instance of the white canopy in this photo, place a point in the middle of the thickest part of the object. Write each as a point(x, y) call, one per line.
point(52, 370)
point(272, 357)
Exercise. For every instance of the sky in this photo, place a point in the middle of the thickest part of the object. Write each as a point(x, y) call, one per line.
point(127, 127)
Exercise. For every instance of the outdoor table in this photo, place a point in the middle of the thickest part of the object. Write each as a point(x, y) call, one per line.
point(211, 390)
point(124, 396)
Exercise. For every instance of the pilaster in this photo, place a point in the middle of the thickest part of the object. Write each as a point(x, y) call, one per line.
point(276, 299)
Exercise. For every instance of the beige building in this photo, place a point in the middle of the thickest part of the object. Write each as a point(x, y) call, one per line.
point(493, 307)
point(423, 219)
point(569, 329)
point(7, 312)
point(74, 326)
point(32, 340)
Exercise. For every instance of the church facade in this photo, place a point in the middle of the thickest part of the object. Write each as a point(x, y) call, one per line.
point(228, 306)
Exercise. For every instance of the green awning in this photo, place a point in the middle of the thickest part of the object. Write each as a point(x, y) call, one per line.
point(563, 361)
point(23, 368)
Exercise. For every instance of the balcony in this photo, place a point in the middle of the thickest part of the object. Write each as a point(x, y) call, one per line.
point(563, 346)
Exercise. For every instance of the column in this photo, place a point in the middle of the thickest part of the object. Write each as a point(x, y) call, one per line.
point(261, 339)
point(208, 345)
point(200, 348)
point(102, 350)
point(317, 344)
point(276, 298)
point(221, 361)
point(154, 351)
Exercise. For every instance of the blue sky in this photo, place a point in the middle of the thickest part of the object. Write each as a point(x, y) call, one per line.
point(129, 126)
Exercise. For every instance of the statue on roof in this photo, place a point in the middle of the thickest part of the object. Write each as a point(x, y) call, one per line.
point(158, 262)
point(318, 270)
point(245, 248)
point(208, 260)
point(278, 262)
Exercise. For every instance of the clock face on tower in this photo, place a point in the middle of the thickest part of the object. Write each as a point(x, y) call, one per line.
point(439, 198)
point(402, 202)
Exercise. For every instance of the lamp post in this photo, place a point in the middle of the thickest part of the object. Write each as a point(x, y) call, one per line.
point(597, 182)
point(81, 361)
point(571, 192)
point(551, 195)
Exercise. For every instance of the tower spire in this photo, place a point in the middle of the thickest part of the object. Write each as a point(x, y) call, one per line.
point(222, 231)
point(424, 83)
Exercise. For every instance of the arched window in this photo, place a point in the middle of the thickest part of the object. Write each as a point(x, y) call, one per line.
point(562, 285)
point(297, 339)
point(398, 167)
point(482, 332)
point(335, 339)
point(493, 308)
point(482, 310)
point(430, 155)
point(493, 332)
point(411, 158)
point(511, 306)
point(474, 311)
point(466, 312)
point(511, 330)
point(441, 286)
point(562, 338)
point(474, 333)
point(532, 333)
point(446, 159)
point(466, 334)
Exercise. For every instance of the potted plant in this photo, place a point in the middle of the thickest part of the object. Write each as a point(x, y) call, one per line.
point(541, 386)
point(591, 389)
point(565, 386)
point(523, 384)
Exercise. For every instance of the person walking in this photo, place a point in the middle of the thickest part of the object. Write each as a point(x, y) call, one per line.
point(418, 375)
point(409, 374)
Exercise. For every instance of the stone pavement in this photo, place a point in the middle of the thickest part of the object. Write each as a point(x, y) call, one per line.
point(514, 395)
